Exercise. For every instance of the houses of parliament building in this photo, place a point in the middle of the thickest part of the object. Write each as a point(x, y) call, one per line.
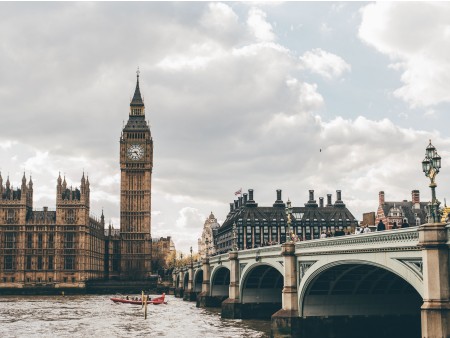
point(68, 247)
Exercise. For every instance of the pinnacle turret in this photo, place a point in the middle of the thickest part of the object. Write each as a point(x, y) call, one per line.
point(137, 104)
point(24, 181)
point(137, 98)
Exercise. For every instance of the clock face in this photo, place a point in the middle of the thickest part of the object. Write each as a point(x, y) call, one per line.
point(135, 152)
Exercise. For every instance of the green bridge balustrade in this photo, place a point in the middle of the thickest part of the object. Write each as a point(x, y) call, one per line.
point(392, 283)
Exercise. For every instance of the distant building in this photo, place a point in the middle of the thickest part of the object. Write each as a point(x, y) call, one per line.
point(368, 218)
point(62, 248)
point(163, 246)
point(206, 242)
point(257, 226)
point(413, 212)
point(162, 249)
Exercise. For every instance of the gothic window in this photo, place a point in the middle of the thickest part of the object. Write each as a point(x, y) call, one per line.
point(70, 216)
point(39, 241)
point(69, 262)
point(39, 263)
point(69, 240)
point(28, 263)
point(10, 240)
point(29, 240)
point(11, 217)
point(9, 262)
point(50, 241)
point(50, 262)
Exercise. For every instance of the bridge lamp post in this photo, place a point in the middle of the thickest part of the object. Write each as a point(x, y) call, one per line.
point(191, 254)
point(289, 217)
point(235, 248)
point(430, 166)
point(206, 248)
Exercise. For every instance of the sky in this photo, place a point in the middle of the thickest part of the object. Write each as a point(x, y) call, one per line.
point(259, 95)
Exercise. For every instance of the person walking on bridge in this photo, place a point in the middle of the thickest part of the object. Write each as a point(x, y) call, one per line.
point(381, 226)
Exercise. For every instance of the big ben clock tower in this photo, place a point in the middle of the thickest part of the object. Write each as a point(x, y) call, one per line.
point(136, 163)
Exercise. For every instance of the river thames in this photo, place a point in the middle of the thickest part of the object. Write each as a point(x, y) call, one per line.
point(97, 315)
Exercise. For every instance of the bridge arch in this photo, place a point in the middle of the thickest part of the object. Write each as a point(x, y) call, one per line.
point(260, 290)
point(357, 294)
point(186, 280)
point(178, 280)
point(198, 280)
point(220, 282)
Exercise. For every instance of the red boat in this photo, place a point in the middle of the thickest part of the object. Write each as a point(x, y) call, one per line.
point(154, 301)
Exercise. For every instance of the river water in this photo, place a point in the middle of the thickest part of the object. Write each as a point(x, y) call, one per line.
point(96, 315)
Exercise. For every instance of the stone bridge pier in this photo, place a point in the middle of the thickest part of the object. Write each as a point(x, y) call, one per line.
point(286, 322)
point(189, 293)
point(435, 311)
point(179, 290)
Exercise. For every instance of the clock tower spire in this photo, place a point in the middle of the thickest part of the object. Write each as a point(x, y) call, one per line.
point(136, 165)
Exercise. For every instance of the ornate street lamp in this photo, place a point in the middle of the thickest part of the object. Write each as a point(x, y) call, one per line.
point(191, 254)
point(289, 216)
point(235, 247)
point(206, 248)
point(430, 166)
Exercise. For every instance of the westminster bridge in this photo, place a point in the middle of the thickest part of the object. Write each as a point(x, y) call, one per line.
point(383, 284)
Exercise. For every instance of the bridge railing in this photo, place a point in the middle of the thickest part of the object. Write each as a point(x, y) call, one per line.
point(404, 239)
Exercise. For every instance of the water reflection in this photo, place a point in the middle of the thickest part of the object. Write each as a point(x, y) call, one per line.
point(82, 316)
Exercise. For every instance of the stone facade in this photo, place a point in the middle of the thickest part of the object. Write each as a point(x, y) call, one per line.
point(67, 247)
point(206, 242)
point(62, 248)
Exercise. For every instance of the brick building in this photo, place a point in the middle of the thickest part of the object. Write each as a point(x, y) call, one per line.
point(413, 212)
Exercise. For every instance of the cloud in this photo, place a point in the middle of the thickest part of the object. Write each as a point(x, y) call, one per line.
point(257, 23)
point(415, 37)
point(324, 63)
point(230, 105)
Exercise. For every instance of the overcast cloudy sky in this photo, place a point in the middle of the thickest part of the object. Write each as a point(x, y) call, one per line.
point(237, 95)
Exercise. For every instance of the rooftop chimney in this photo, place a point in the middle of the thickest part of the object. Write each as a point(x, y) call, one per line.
point(250, 194)
point(279, 201)
point(245, 198)
point(329, 204)
point(231, 206)
point(251, 201)
point(415, 199)
point(338, 199)
point(321, 202)
point(381, 198)
point(240, 201)
point(312, 201)
point(311, 196)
